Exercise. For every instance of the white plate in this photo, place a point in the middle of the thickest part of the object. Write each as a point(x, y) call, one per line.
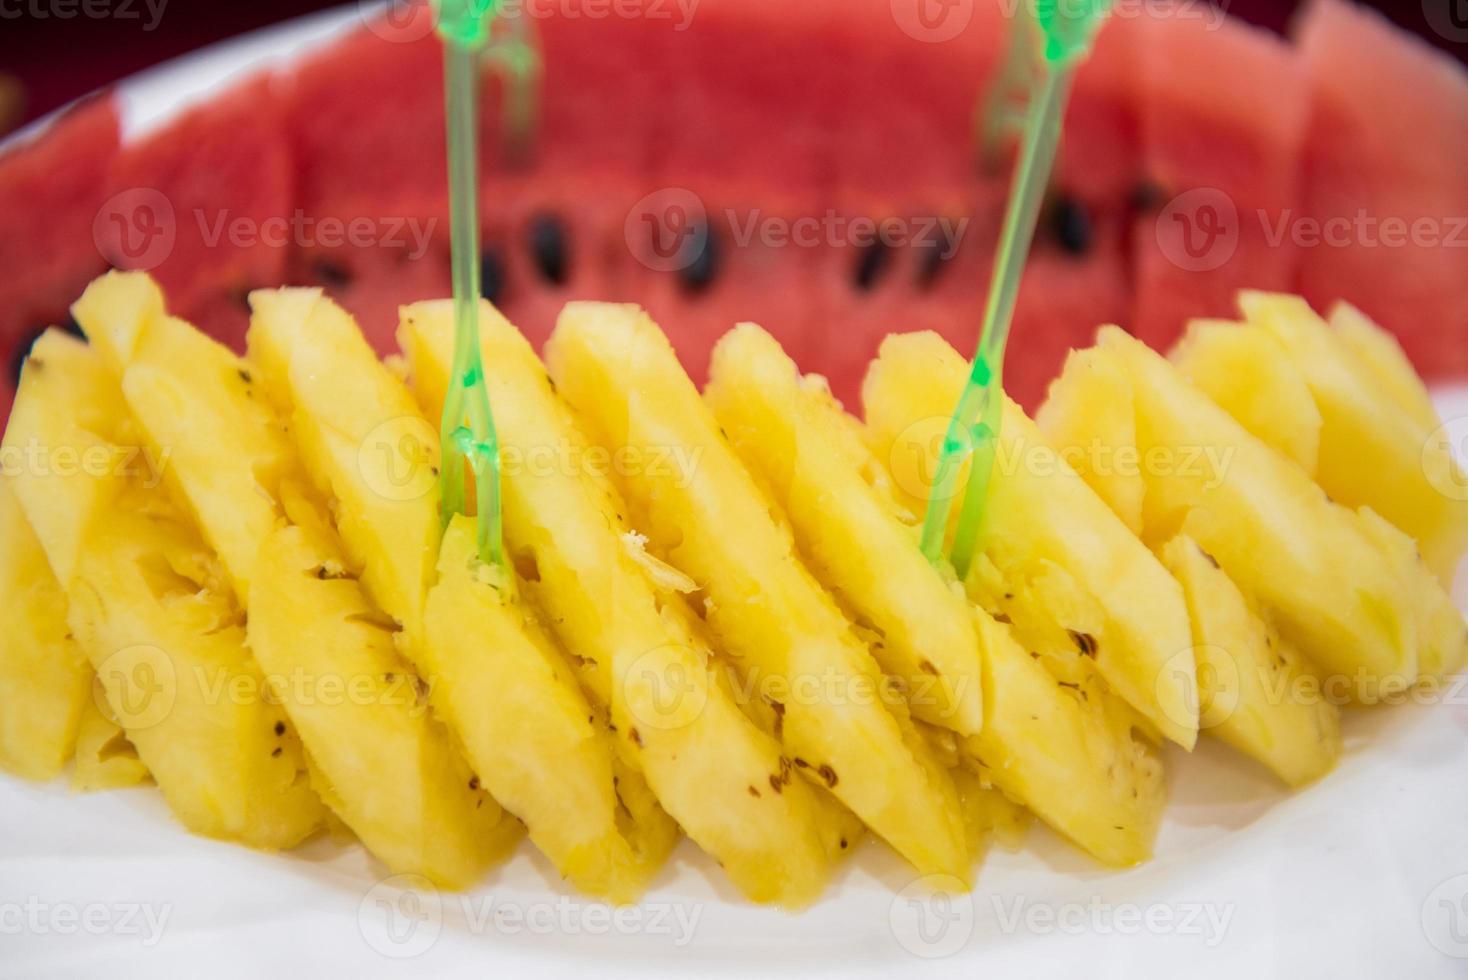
point(1365, 874)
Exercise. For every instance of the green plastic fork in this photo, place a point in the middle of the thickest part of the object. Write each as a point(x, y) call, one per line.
point(1067, 29)
point(467, 430)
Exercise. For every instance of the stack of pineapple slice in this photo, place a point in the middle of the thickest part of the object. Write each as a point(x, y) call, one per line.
point(230, 576)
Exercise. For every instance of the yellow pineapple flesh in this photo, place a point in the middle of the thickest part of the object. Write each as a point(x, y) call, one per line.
point(843, 725)
point(1247, 372)
point(371, 451)
point(526, 726)
point(45, 679)
point(788, 431)
point(70, 433)
point(151, 610)
point(1373, 452)
point(193, 397)
point(1039, 508)
point(625, 628)
point(1257, 693)
point(105, 759)
point(1280, 539)
point(1089, 415)
point(379, 757)
point(1379, 353)
point(362, 439)
point(150, 607)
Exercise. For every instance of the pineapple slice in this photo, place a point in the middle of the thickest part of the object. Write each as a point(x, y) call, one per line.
point(630, 635)
point(1379, 353)
point(45, 679)
point(150, 611)
point(379, 757)
point(528, 728)
point(194, 397)
point(1276, 534)
point(845, 727)
point(1038, 508)
point(1373, 453)
point(1442, 637)
point(790, 432)
point(1089, 414)
point(1246, 371)
point(363, 440)
point(368, 447)
point(149, 606)
point(1258, 694)
point(105, 759)
point(232, 460)
point(71, 438)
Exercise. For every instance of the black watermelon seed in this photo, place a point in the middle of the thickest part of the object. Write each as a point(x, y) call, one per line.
point(1147, 196)
point(331, 275)
point(72, 327)
point(932, 260)
point(1072, 226)
point(491, 273)
point(700, 260)
point(871, 262)
point(549, 248)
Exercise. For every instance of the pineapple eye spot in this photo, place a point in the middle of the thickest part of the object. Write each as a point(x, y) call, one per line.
point(526, 566)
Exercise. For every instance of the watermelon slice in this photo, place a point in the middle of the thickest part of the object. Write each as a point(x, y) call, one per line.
point(1223, 119)
point(764, 113)
point(206, 204)
point(1384, 162)
point(52, 189)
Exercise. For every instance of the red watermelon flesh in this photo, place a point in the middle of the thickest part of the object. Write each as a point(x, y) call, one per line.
point(1388, 141)
point(1224, 114)
point(221, 176)
point(1099, 158)
point(365, 122)
point(52, 189)
point(804, 110)
point(907, 98)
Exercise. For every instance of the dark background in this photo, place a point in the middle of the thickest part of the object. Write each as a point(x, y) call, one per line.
point(51, 61)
